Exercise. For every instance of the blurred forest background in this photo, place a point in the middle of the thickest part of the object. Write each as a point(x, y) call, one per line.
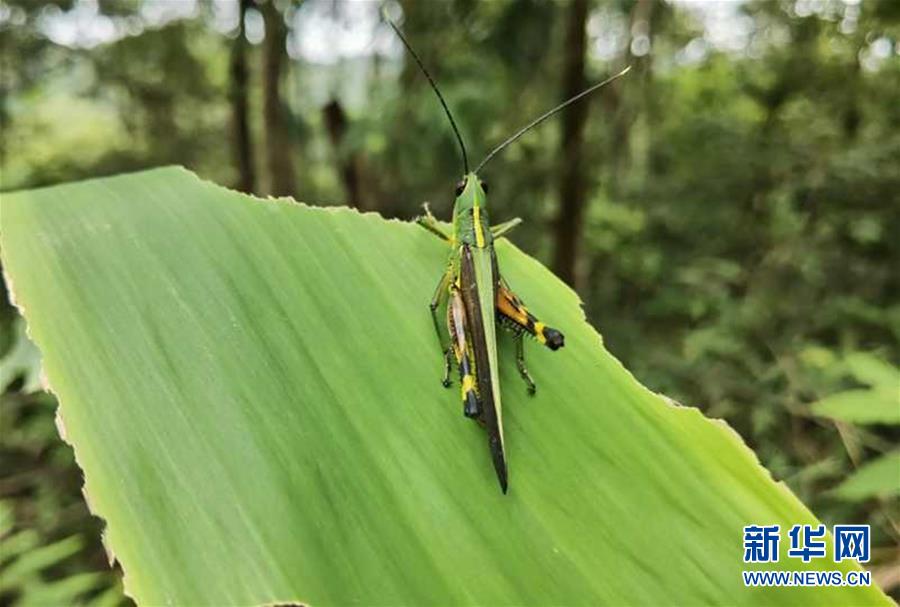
point(729, 211)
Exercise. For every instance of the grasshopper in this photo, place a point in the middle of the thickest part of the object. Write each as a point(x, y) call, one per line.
point(477, 297)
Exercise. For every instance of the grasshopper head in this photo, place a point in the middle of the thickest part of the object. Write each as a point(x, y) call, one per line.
point(471, 192)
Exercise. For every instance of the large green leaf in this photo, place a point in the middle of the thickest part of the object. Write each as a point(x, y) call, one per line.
point(252, 389)
point(863, 406)
point(872, 370)
point(878, 478)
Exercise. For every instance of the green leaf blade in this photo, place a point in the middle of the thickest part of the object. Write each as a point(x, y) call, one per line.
point(872, 370)
point(252, 389)
point(877, 406)
point(878, 478)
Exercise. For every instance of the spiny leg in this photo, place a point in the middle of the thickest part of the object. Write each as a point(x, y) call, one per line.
point(520, 363)
point(515, 316)
point(448, 354)
point(440, 295)
point(456, 323)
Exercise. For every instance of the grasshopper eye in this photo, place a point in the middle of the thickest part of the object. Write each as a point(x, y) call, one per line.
point(460, 187)
point(484, 186)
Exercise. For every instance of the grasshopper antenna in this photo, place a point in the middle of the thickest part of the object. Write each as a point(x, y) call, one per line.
point(437, 91)
point(543, 117)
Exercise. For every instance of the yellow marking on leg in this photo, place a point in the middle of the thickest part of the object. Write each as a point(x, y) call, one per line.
point(539, 332)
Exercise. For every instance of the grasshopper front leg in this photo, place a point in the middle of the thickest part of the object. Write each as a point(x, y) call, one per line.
point(430, 223)
point(502, 228)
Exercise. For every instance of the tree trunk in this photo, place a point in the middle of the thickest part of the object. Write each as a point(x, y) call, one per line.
point(572, 190)
point(348, 163)
point(278, 146)
point(240, 124)
point(623, 115)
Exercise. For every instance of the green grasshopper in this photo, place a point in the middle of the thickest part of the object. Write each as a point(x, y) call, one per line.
point(477, 296)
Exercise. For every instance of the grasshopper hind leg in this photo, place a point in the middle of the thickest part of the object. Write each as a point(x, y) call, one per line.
point(513, 315)
point(456, 323)
point(471, 406)
point(511, 308)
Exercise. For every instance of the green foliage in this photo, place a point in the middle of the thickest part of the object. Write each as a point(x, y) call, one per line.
point(21, 362)
point(25, 559)
point(872, 406)
point(872, 371)
point(50, 551)
point(879, 478)
point(272, 399)
point(879, 403)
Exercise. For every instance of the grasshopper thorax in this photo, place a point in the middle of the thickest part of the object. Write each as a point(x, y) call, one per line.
point(470, 216)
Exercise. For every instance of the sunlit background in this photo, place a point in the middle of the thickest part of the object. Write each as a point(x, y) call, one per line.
point(728, 211)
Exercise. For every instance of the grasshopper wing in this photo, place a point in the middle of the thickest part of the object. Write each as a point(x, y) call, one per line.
point(478, 283)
